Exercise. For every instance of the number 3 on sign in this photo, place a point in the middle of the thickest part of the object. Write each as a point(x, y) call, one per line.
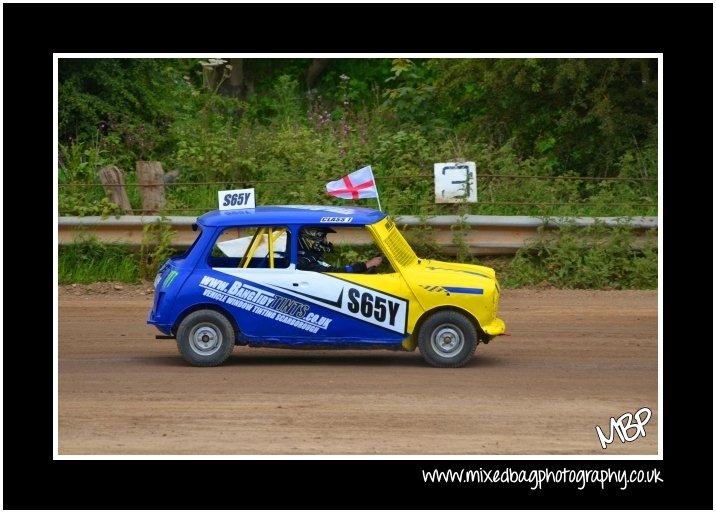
point(239, 198)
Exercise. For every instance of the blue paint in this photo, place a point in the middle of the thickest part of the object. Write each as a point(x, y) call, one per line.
point(464, 290)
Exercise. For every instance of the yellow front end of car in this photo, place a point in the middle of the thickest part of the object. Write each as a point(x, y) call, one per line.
point(472, 289)
point(452, 306)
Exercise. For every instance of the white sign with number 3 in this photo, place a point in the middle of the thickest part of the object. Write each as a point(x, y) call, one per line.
point(236, 199)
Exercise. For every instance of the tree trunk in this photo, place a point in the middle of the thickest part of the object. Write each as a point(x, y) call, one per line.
point(645, 79)
point(236, 86)
point(112, 179)
point(151, 185)
point(317, 67)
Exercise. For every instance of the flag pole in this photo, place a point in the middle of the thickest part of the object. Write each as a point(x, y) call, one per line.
point(362, 188)
point(377, 196)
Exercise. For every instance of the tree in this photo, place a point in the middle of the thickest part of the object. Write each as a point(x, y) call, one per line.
point(579, 114)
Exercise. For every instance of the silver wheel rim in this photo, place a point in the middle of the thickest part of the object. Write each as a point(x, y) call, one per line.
point(205, 339)
point(447, 340)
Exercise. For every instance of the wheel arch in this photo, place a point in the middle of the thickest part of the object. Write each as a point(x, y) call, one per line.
point(481, 335)
point(207, 306)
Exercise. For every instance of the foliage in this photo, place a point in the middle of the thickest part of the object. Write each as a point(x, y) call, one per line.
point(89, 261)
point(422, 239)
point(578, 114)
point(459, 238)
point(362, 87)
point(412, 94)
point(398, 115)
point(282, 104)
point(592, 257)
point(78, 164)
point(156, 247)
point(132, 101)
point(81, 207)
point(550, 137)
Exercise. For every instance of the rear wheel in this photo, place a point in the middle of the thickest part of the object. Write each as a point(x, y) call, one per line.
point(205, 338)
point(447, 339)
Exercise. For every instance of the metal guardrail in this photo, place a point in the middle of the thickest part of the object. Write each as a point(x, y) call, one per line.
point(484, 235)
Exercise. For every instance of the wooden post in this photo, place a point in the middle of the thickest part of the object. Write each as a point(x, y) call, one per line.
point(151, 185)
point(112, 179)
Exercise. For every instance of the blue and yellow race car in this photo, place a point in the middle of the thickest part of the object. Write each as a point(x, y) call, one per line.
point(242, 282)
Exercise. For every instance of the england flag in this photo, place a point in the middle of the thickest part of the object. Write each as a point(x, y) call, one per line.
point(358, 184)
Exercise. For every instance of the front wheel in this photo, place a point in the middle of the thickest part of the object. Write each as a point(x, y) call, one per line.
point(205, 338)
point(447, 339)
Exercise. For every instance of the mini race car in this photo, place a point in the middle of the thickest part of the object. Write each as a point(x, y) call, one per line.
point(238, 284)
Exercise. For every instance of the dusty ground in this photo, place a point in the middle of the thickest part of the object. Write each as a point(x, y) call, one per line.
point(573, 360)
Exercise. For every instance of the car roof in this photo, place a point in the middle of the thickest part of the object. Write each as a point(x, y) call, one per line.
point(293, 214)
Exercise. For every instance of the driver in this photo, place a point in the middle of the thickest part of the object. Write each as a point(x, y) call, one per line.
point(312, 245)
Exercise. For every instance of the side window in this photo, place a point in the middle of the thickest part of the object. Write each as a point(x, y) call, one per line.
point(252, 247)
point(353, 244)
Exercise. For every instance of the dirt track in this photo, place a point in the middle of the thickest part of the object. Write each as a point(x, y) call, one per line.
point(573, 360)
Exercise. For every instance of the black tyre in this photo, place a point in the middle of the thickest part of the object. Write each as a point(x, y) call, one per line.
point(447, 339)
point(205, 338)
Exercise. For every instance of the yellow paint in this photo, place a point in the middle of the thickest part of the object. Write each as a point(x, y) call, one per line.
point(426, 283)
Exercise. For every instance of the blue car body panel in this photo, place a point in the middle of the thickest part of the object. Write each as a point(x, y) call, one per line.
point(275, 307)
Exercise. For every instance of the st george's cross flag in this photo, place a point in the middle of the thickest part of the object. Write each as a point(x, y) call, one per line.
point(358, 184)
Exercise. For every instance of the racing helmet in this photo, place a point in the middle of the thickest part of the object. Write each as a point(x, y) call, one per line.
point(313, 239)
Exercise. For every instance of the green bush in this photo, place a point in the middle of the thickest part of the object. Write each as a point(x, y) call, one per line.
point(79, 163)
point(89, 261)
point(592, 257)
point(378, 112)
point(550, 137)
point(155, 249)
